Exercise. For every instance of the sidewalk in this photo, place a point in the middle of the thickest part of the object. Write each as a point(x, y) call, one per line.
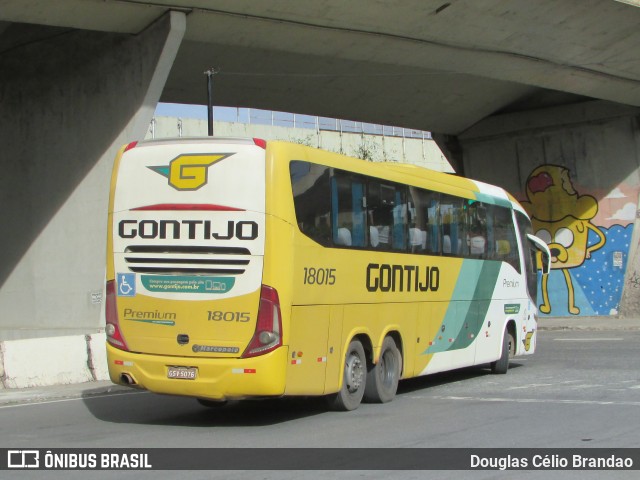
point(23, 396)
point(588, 323)
point(58, 393)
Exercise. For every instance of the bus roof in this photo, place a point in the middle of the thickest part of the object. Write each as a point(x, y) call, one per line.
point(399, 172)
point(411, 175)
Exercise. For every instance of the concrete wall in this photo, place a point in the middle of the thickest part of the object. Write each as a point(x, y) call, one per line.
point(65, 112)
point(69, 359)
point(576, 170)
point(377, 148)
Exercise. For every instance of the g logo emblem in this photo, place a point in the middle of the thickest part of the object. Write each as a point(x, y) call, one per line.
point(189, 172)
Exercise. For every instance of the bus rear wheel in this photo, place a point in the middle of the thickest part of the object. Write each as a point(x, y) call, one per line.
point(383, 377)
point(354, 379)
point(501, 365)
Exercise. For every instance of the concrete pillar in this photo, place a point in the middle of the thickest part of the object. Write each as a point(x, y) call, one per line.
point(630, 304)
point(68, 102)
point(451, 148)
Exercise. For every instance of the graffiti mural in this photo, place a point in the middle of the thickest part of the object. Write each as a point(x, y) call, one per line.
point(589, 245)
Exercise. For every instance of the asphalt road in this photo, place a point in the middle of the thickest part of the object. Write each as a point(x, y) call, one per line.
point(580, 390)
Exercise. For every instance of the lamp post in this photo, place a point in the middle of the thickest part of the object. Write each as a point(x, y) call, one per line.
point(210, 73)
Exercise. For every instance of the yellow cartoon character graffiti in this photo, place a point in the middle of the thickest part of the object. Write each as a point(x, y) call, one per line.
point(561, 218)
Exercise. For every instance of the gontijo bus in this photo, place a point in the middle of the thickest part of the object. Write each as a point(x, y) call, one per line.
point(242, 268)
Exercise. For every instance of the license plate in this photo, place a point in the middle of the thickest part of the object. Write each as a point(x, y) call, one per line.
point(184, 373)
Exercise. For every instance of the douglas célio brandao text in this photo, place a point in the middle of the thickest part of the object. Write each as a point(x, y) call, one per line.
point(574, 461)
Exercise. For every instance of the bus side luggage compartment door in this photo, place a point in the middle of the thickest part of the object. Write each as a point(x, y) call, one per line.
point(308, 338)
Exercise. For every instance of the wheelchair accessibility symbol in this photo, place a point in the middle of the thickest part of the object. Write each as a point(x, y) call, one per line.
point(126, 284)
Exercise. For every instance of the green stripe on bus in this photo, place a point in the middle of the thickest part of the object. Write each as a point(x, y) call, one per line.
point(468, 307)
point(486, 198)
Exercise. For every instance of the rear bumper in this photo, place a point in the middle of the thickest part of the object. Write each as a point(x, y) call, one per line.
point(217, 378)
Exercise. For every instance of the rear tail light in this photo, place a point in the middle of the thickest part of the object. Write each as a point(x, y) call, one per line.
point(130, 146)
point(112, 329)
point(268, 334)
point(260, 143)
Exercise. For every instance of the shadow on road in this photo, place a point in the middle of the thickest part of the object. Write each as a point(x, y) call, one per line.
point(151, 409)
point(124, 405)
point(445, 378)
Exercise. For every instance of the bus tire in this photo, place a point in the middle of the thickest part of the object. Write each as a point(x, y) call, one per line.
point(353, 381)
point(383, 377)
point(501, 365)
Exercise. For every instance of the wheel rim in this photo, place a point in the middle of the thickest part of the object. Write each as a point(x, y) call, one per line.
point(354, 373)
point(387, 368)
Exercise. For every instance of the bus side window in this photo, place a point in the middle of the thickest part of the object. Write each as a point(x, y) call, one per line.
point(312, 200)
point(503, 241)
point(424, 229)
point(347, 212)
point(387, 215)
point(478, 229)
point(400, 220)
point(453, 223)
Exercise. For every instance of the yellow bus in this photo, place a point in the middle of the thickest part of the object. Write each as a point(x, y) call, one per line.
point(242, 268)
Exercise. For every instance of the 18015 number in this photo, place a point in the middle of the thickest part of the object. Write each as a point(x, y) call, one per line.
point(319, 276)
point(218, 316)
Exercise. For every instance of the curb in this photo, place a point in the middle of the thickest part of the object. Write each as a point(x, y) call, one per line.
point(61, 393)
point(586, 328)
point(589, 323)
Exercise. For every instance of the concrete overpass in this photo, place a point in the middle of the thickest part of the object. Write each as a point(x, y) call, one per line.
point(436, 65)
point(506, 87)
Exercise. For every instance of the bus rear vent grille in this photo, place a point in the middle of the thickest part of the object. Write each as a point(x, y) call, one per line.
point(187, 260)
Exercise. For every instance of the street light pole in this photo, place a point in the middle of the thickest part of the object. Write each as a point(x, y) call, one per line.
point(210, 73)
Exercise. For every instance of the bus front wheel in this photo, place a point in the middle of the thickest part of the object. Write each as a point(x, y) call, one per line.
point(354, 379)
point(383, 377)
point(508, 350)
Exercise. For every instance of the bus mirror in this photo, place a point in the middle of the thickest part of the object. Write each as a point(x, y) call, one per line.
point(542, 262)
point(546, 263)
point(543, 255)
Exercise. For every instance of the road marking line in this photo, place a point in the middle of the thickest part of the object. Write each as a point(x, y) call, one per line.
point(588, 339)
point(532, 385)
point(538, 400)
